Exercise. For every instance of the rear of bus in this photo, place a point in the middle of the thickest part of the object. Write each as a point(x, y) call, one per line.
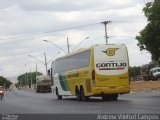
point(110, 72)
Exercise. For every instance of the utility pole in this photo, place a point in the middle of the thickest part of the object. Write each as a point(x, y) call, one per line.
point(20, 82)
point(36, 76)
point(105, 25)
point(26, 79)
point(68, 44)
point(36, 69)
point(45, 62)
point(31, 77)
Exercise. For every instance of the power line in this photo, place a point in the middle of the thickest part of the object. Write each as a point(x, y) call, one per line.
point(91, 40)
point(126, 21)
point(59, 30)
point(123, 36)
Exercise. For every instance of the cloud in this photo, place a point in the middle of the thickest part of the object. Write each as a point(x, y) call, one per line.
point(25, 24)
point(70, 5)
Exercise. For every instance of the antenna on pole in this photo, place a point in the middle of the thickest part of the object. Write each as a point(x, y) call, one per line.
point(105, 25)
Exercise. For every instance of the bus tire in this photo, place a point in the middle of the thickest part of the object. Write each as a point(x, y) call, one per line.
point(84, 98)
point(114, 97)
point(59, 97)
point(105, 97)
point(78, 96)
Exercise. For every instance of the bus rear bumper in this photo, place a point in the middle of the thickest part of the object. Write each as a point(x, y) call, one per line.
point(111, 90)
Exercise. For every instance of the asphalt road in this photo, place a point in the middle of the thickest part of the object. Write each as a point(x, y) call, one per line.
point(28, 102)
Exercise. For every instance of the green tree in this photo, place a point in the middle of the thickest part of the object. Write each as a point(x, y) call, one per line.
point(17, 85)
point(149, 37)
point(4, 82)
point(134, 72)
point(25, 79)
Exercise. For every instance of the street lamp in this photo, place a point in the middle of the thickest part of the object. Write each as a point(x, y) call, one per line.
point(35, 58)
point(53, 57)
point(80, 43)
point(36, 63)
point(45, 63)
point(55, 45)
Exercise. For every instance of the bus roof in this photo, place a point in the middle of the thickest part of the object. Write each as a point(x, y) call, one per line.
point(82, 50)
point(74, 52)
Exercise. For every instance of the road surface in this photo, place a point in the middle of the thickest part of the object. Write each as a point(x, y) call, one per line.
point(27, 102)
point(20, 101)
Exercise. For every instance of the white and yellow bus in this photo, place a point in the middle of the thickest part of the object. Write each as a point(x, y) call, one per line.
point(101, 70)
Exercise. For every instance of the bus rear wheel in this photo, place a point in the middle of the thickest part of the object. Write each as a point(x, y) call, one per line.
point(105, 97)
point(78, 96)
point(84, 98)
point(113, 97)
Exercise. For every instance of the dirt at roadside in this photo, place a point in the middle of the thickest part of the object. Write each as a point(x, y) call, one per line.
point(145, 86)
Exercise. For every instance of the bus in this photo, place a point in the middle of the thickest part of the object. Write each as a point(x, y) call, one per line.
point(101, 70)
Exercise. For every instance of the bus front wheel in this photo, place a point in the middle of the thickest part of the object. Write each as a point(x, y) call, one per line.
point(59, 97)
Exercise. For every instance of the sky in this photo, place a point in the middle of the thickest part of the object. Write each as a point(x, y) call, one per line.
point(24, 24)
